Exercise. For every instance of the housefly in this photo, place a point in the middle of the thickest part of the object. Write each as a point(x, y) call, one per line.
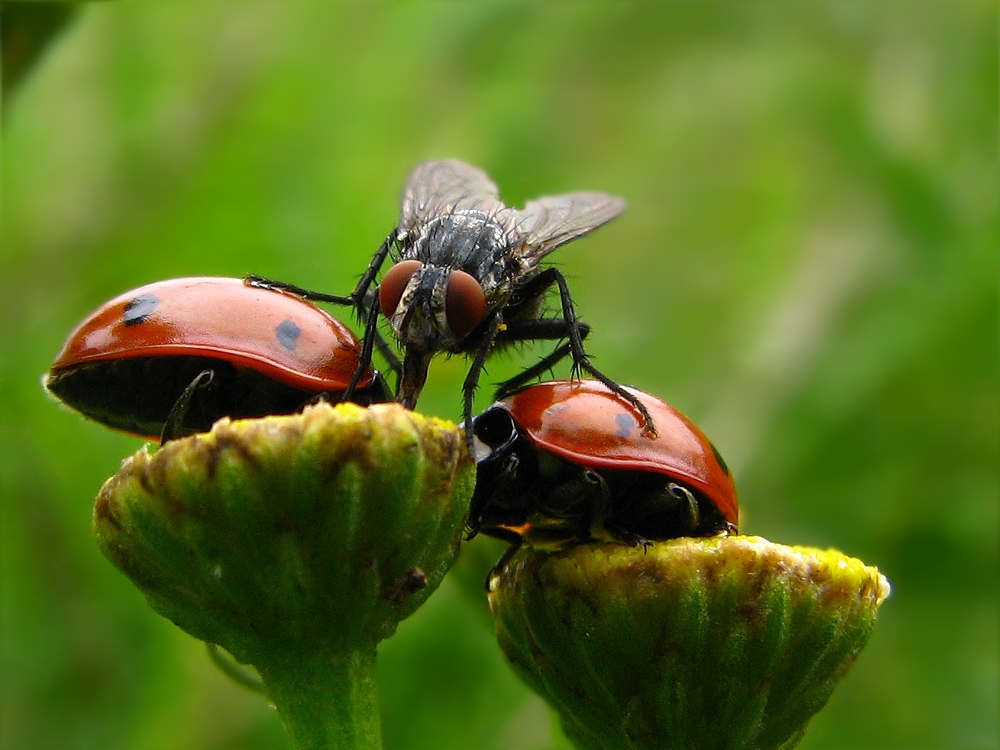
point(466, 279)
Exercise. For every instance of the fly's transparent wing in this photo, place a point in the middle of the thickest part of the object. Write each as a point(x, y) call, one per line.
point(437, 188)
point(546, 223)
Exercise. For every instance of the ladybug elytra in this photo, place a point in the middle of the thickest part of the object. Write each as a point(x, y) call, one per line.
point(170, 358)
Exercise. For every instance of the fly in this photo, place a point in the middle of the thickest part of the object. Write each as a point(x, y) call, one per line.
point(466, 279)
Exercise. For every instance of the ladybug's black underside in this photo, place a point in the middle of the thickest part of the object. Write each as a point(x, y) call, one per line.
point(136, 395)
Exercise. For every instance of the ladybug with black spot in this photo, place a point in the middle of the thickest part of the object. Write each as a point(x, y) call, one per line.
point(566, 462)
point(170, 358)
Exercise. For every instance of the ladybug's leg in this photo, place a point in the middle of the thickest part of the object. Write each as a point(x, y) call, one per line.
point(515, 540)
point(624, 535)
point(597, 510)
point(493, 489)
point(685, 496)
point(174, 422)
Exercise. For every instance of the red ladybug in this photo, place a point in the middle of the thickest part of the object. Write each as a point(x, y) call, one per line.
point(565, 462)
point(171, 358)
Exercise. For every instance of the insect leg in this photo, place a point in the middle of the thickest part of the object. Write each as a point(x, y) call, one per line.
point(174, 423)
point(360, 294)
point(371, 335)
point(575, 331)
point(359, 299)
point(534, 330)
point(515, 541)
point(262, 282)
point(582, 361)
point(365, 301)
point(362, 299)
point(475, 370)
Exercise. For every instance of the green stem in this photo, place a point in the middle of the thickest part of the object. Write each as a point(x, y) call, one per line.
point(326, 702)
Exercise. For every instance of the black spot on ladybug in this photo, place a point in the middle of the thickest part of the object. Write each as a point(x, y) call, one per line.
point(625, 424)
point(139, 309)
point(288, 334)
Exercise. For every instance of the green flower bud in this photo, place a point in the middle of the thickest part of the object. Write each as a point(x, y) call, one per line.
point(297, 544)
point(731, 642)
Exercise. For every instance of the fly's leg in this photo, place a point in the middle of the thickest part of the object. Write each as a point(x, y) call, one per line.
point(362, 299)
point(367, 344)
point(475, 371)
point(544, 329)
point(574, 331)
point(263, 282)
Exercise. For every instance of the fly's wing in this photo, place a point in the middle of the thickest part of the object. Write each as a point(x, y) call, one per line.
point(437, 188)
point(546, 223)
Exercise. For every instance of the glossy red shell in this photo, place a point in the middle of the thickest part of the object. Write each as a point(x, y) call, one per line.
point(278, 335)
point(585, 423)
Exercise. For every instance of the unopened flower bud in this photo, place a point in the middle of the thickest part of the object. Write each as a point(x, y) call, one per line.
point(296, 543)
point(692, 643)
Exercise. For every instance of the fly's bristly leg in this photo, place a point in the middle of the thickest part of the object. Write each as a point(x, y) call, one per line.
point(535, 330)
point(360, 297)
point(475, 370)
point(567, 327)
point(262, 282)
point(582, 361)
point(371, 336)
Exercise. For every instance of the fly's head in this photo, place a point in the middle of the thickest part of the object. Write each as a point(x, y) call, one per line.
point(451, 272)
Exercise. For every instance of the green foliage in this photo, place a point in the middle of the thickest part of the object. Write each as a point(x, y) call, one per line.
point(807, 269)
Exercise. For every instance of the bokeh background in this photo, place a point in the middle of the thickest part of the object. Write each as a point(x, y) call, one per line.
point(807, 268)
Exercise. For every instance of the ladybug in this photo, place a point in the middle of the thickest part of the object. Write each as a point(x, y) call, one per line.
point(169, 359)
point(466, 278)
point(565, 462)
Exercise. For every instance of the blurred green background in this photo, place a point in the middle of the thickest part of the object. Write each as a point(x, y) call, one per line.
point(807, 268)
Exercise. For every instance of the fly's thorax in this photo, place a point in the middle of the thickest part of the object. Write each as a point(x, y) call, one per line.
point(470, 241)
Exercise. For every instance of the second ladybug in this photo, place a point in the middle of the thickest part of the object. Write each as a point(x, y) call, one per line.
point(565, 462)
point(170, 358)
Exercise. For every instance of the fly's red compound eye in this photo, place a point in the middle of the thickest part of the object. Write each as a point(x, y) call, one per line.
point(390, 291)
point(465, 303)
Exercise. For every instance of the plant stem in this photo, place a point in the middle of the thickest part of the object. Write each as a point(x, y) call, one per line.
point(326, 702)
